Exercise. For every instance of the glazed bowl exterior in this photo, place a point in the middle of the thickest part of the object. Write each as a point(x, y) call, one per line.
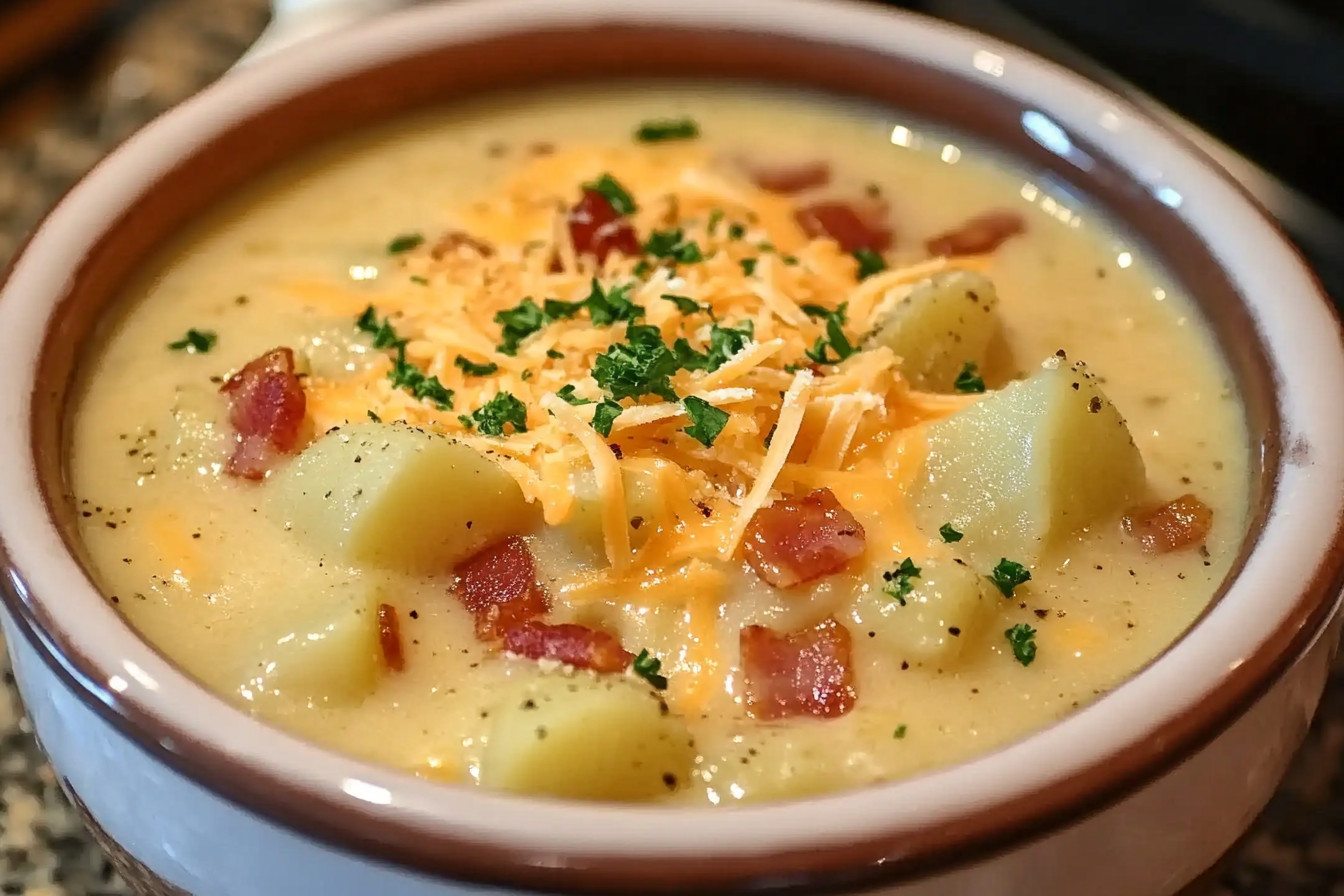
point(1140, 793)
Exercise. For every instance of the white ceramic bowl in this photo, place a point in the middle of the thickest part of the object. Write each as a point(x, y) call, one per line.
point(1139, 793)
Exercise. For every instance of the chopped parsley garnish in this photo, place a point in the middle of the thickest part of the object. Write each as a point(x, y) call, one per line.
point(672, 245)
point(684, 304)
point(707, 421)
point(660, 129)
point(642, 365)
point(899, 733)
point(968, 380)
point(196, 342)
point(518, 323)
point(748, 266)
point(870, 263)
point(606, 307)
point(604, 415)
point(715, 218)
point(724, 342)
point(1007, 575)
point(374, 417)
point(501, 411)
point(615, 194)
point(404, 243)
point(737, 231)
point(834, 340)
point(1022, 638)
point(948, 533)
point(566, 394)
point(642, 268)
point(471, 368)
point(405, 375)
point(900, 580)
point(646, 667)
point(554, 354)
point(416, 278)
point(555, 309)
point(383, 334)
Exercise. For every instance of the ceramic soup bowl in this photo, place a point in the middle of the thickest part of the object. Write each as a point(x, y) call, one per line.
point(1141, 792)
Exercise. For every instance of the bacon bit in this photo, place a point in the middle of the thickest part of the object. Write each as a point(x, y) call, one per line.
point(266, 408)
point(849, 226)
point(596, 229)
point(788, 179)
point(796, 540)
point(575, 645)
point(499, 586)
point(456, 239)
point(803, 673)
point(1175, 525)
point(981, 234)
point(389, 638)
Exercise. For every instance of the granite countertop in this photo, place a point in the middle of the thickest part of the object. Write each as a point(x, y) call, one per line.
point(173, 48)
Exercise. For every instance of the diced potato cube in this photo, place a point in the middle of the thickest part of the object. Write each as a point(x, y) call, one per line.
point(586, 736)
point(643, 505)
point(767, 763)
point(1022, 468)
point(940, 325)
point(948, 605)
point(328, 655)
point(397, 497)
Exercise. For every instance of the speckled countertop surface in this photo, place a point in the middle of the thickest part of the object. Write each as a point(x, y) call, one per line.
point(175, 47)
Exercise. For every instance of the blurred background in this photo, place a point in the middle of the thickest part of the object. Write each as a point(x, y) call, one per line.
point(1259, 84)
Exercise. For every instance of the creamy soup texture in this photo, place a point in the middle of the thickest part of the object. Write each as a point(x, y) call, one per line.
point(581, 547)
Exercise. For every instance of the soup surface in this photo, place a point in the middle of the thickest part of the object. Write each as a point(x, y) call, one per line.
point(659, 442)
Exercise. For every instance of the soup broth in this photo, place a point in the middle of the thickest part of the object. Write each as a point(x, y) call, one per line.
point(581, 546)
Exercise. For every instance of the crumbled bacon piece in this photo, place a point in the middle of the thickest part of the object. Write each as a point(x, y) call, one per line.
point(788, 179)
point(576, 645)
point(456, 239)
point(389, 638)
point(803, 673)
point(1175, 525)
point(983, 233)
point(499, 586)
point(796, 540)
point(266, 408)
point(597, 229)
point(849, 225)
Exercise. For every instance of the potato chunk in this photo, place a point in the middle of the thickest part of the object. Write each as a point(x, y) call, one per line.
point(948, 604)
point(940, 325)
point(1028, 465)
point(586, 736)
point(644, 508)
point(325, 654)
point(397, 497)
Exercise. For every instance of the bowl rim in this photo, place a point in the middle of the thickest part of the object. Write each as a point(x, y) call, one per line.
point(911, 827)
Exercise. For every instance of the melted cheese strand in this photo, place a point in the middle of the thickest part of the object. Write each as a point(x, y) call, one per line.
point(615, 531)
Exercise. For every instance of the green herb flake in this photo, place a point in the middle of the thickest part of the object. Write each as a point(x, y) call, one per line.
point(658, 130)
point(900, 581)
point(949, 534)
point(737, 231)
point(470, 368)
point(968, 380)
point(405, 375)
point(1007, 575)
point(554, 354)
point(374, 417)
point(835, 339)
point(646, 667)
point(707, 421)
point(196, 342)
point(422, 281)
point(748, 266)
point(870, 263)
point(1022, 638)
point(404, 243)
point(724, 343)
point(566, 394)
point(715, 219)
point(684, 304)
point(642, 365)
point(899, 733)
point(642, 268)
point(615, 194)
point(613, 305)
point(672, 245)
point(491, 418)
point(555, 309)
point(518, 323)
point(604, 415)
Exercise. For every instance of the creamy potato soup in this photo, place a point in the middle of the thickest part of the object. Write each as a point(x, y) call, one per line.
point(659, 442)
